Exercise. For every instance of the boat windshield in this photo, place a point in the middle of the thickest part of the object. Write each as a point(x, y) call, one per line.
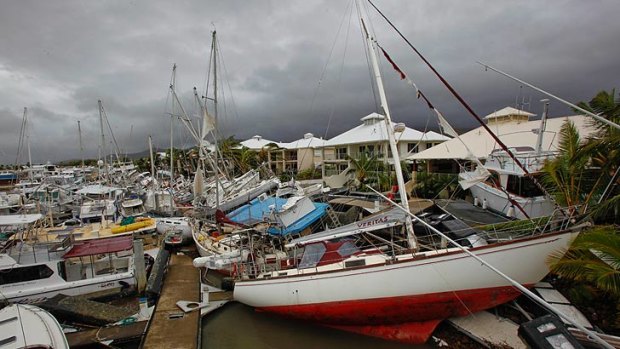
point(322, 253)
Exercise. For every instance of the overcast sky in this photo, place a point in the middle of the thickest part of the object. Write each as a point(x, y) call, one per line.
point(288, 67)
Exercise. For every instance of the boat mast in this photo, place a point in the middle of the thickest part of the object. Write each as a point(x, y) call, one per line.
point(390, 132)
point(214, 99)
point(172, 86)
point(28, 138)
point(102, 146)
point(543, 125)
point(153, 179)
point(81, 148)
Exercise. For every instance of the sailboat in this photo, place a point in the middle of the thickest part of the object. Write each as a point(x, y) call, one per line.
point(362, 278)
point(222, 193)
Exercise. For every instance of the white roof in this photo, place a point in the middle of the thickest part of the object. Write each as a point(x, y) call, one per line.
point(309, 141)
point(374, 132)
point(257, 143)
point(513, 134)
point(506, 112)
point(19, 219)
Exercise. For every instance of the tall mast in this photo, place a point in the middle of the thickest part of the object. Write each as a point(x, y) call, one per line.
point(172, 86)
point(390, 132)
point(81, 148)
point(28, 139)
point(543, 124)
point(102, 146)
point(217, 172)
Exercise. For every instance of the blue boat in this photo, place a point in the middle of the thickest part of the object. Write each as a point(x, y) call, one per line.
point(285, 216)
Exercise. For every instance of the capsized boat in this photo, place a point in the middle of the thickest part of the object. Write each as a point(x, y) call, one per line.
point(390, 291)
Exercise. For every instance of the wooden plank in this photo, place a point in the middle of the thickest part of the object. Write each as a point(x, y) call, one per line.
point(90, 337)
point(486, 328)
point(552, 296)
point(170, 327)
point(221, 296)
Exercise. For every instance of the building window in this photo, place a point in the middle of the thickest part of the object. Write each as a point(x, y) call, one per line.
point(317, 153)
point(342, 153)
point(369, 150)
point(412, 147)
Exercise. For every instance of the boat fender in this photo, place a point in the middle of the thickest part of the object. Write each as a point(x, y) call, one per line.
point(484, 204)
point(476, 201)
point(511, 211)
point(200, 262)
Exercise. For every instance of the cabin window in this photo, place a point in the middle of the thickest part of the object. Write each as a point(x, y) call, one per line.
point(312, 255)
point(23, 274)
point(523, 186)
point(493, 179)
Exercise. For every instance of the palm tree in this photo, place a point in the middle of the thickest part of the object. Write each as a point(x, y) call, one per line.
point(604, 151)
point(368, 170)
point(246, 159)
point(582, 176)
point(593, 257)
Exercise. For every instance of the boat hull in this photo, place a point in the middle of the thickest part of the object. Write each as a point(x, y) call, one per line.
point(406, 292)
point(538, 206)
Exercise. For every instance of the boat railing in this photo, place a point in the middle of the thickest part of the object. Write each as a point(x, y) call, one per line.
point(527, 227)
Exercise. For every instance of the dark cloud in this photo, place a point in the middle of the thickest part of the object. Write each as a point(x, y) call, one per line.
point(285, 70)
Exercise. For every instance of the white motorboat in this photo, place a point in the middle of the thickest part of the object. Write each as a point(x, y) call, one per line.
point(28, 326)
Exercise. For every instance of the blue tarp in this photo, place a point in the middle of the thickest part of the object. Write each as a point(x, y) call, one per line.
point(258, 211)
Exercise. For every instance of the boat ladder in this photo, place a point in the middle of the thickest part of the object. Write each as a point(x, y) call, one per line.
point(334, 218)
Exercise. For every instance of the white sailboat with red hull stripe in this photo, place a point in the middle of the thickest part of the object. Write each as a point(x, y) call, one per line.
point(402, 298)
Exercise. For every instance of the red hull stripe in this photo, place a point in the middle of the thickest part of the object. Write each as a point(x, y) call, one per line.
point(394, 316)
point(410, 332)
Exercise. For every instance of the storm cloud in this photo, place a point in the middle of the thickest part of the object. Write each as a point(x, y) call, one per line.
point(288, 67)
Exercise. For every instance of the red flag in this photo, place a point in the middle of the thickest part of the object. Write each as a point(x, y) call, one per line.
point(402, 75)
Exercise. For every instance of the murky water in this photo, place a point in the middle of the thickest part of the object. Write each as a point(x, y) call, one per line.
point(236, 326)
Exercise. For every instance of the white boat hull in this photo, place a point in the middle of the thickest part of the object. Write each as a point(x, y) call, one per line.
point(496, 200)
point(389, 299)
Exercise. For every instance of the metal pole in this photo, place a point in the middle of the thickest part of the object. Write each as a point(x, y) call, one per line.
point(597, 117)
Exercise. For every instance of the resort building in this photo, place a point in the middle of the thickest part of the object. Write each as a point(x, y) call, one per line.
point(370, 138)
point(513, 127)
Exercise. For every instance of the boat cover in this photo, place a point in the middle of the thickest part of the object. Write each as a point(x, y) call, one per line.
point(258, 211)
point(101, 246)
point(18, 219)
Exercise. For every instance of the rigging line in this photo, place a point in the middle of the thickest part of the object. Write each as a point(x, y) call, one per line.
point(324, 70)
point(473, 113)
point(227, 82)
point(367, 53)
point(349, 9)
point(432, 107)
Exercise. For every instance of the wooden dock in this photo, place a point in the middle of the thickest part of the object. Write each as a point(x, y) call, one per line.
point(170, 327)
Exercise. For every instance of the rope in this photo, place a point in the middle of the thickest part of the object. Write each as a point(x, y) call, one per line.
point(471, 111)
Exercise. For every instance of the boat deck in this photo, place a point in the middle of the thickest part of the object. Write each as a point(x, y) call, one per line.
point(170, 327)
point(470, 214)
